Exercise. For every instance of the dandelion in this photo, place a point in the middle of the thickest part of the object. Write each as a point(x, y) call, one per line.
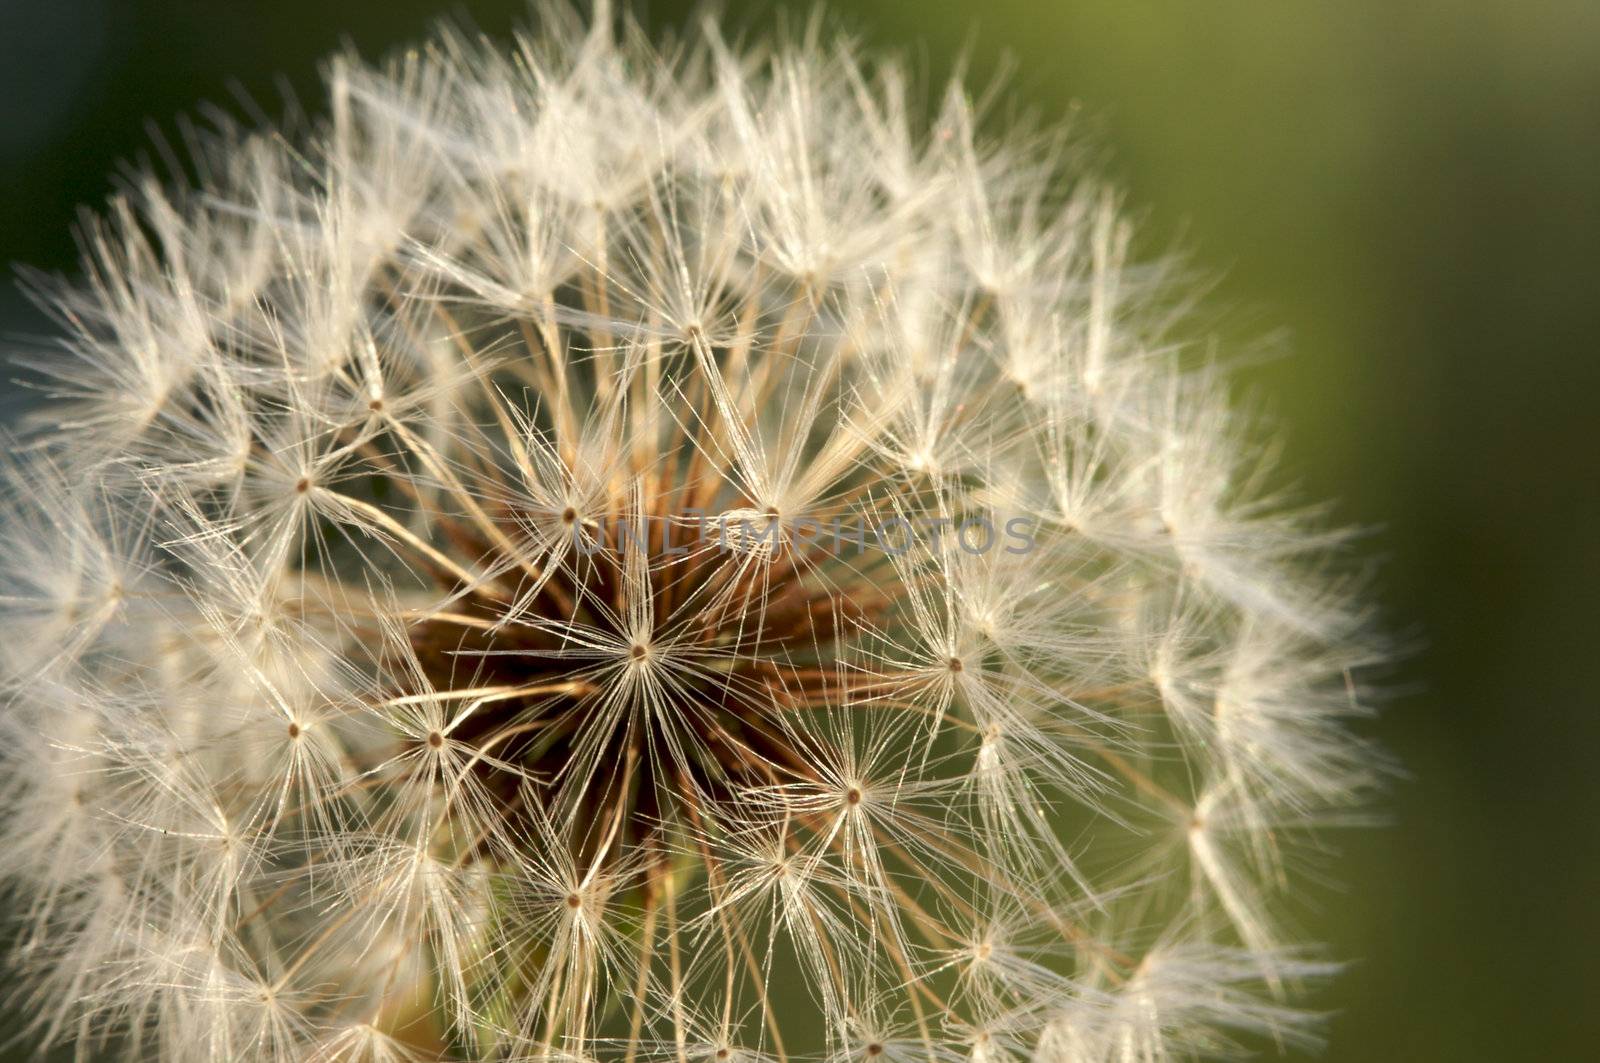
point(611, 552)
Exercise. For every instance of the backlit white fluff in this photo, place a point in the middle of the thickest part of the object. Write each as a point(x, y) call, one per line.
point(612, 552)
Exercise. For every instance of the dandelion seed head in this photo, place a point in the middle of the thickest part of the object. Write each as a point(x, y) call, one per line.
point(607, 551)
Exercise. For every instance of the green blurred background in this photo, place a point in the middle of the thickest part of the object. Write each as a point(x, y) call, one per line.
point(1408, 192)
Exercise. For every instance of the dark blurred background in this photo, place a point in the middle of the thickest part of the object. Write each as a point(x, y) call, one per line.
point(1409, 193)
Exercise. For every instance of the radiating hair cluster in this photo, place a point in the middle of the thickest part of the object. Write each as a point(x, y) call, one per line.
point(373, 690)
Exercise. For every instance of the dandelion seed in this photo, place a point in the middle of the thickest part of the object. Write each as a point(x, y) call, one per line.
point(613, 554)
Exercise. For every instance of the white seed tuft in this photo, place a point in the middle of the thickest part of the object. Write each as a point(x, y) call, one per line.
point(606, 553)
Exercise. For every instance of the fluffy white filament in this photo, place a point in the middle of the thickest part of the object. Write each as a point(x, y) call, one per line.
point(615, 552)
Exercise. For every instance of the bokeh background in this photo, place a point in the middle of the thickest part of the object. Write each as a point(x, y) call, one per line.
point(1404, 197)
